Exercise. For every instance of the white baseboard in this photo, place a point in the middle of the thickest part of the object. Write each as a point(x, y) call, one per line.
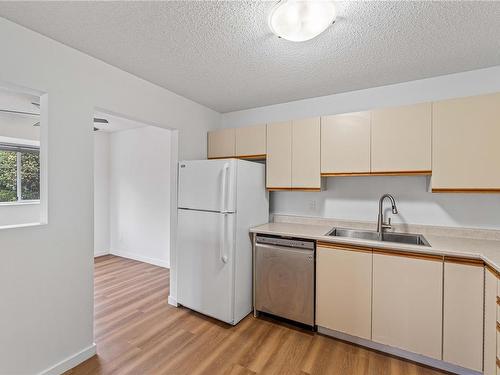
point(140, 258)
point(100, 253)
point(172, 301)
point(70, 362)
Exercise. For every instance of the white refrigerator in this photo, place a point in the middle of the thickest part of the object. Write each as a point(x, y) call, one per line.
point(218, 201)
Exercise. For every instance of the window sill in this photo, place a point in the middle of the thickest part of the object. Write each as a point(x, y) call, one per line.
point(27, 225)
point(19, 203)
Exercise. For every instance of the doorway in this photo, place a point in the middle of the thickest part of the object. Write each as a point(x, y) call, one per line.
point(132, 189)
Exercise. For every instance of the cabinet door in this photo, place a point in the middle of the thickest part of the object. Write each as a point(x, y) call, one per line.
point(401, 139)
point(251, 141)
point(465, 152)
point(343, 289)
point(490, 323)
point(408, 302)
point(463, 315)
point(345, 143)
point(221, 143)
point(306, 154)
point(279, 155)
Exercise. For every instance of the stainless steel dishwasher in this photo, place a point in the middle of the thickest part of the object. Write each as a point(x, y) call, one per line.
point(284, 278)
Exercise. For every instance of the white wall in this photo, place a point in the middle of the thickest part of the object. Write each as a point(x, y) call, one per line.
point(140, 194)
point(46, 272)
point(16, 214)
point(356, 197)
point(101, 193)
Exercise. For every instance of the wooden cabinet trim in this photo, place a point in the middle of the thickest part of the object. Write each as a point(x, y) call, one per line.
point(261, 156)
point(273, 188)
point(221, 157)
point(388, 173)
point(258, 156)
point(492, 270)
point(402, 173)
point(404, 254)
point(327, 174)
point(337, 246)
point(464, 261)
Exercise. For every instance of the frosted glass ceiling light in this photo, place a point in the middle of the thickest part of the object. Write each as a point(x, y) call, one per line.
point(300, 20)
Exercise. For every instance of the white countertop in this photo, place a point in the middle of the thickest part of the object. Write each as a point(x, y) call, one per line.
point(486, 250)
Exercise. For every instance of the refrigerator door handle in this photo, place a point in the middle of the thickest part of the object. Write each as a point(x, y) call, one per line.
point(223, 257)
point(225, 168)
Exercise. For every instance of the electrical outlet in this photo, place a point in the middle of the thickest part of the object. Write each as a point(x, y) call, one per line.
point(312, 205)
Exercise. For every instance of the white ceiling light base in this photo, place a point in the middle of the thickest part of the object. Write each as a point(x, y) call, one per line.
point(301, 20)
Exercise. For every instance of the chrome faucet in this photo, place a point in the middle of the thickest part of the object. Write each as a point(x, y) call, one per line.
point(381, 224)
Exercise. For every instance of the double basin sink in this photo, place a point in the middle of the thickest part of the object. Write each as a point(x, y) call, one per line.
point(405, 238)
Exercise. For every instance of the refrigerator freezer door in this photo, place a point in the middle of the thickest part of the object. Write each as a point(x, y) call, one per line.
point(208, 185)
point(205, 246)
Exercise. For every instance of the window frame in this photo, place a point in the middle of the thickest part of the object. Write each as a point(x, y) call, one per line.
point(19, 149)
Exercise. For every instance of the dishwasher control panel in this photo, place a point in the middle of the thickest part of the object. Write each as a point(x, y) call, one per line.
point(288, 242)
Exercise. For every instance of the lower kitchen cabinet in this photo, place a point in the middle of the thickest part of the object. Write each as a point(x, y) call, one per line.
point(408, 302)
point(343, 289)
point(490, 322)
point(463, 313)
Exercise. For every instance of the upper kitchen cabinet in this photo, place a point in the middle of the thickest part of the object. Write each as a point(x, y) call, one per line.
point(279, 156)
point(401, 140)
point(221, 143)
point(345, 144)
point(306, 154)
point(293, 155)
point(465, 152)
point(251, 142)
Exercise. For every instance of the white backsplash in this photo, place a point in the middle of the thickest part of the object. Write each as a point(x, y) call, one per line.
point(356, 199)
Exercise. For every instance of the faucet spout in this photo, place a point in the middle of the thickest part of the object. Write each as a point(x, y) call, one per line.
point(381, 224)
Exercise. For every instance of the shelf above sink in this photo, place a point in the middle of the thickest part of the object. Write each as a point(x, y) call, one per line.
point(405, 238)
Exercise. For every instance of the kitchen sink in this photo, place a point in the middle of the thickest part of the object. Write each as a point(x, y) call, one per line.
point(406, 238)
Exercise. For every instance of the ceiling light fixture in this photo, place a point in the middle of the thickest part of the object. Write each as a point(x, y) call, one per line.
point(301, 20)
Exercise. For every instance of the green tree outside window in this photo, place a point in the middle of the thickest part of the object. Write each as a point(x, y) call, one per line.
point(29, 176)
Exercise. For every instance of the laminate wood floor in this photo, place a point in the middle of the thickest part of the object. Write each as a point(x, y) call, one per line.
point(137, 332)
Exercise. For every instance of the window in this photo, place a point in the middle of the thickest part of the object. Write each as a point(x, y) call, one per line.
point(19, 173)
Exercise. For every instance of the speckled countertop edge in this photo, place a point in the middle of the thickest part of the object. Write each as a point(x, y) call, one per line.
point(485, 250)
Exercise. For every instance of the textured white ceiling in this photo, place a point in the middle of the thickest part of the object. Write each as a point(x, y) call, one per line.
point(223, 55)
